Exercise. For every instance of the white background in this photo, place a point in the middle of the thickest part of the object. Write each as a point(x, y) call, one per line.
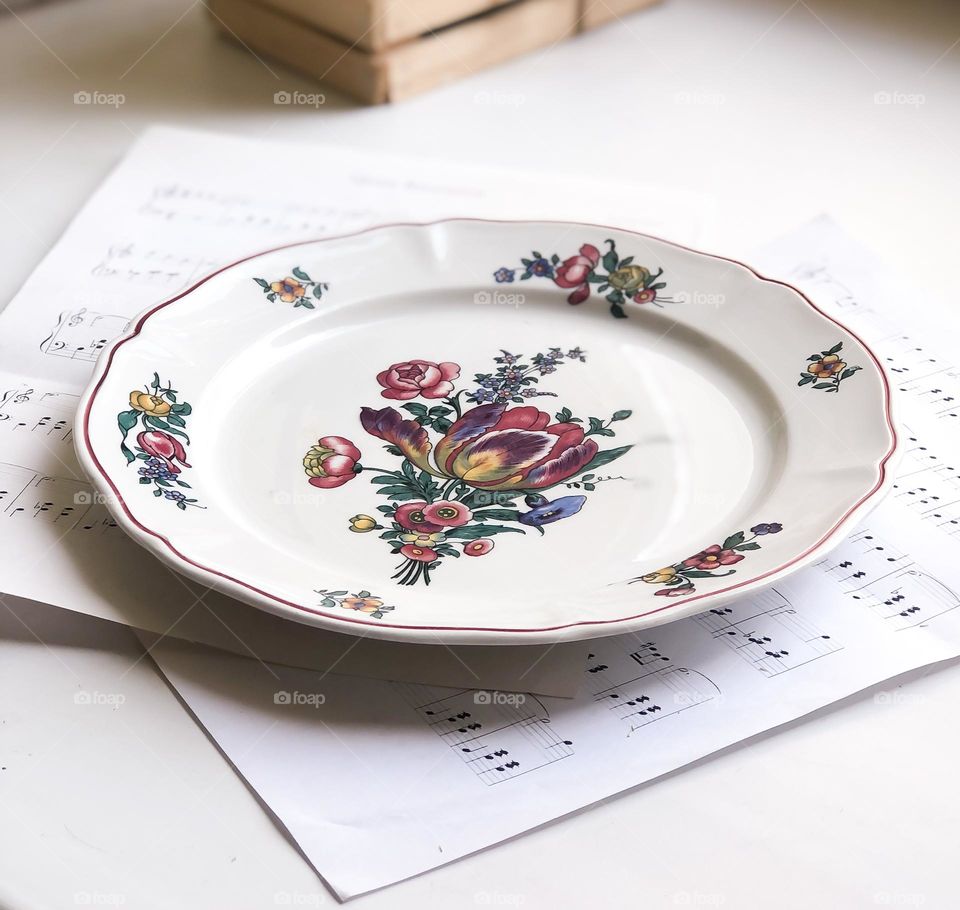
point(768, 109)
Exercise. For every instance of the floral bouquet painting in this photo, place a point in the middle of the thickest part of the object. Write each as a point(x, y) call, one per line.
point(474, 461)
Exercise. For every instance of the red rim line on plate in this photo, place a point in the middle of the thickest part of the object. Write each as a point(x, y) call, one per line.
point(882, 466)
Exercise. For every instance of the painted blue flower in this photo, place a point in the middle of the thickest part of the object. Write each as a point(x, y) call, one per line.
point(544, 511)
point(540, 267)
point(175, 495)
point(769, 528)
point(504, 275)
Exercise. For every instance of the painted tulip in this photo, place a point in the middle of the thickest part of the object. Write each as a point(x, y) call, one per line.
point(165, 447)
point(575, 273)
point(418, 377)
point(363, 523)
point(331, 462)
point(661, 576)
point(492, 447)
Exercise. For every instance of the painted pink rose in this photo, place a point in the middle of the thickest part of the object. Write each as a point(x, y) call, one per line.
point(712, 558)
point(331, 462)
point(418, 377)
point(575, 272)
point(165, 447)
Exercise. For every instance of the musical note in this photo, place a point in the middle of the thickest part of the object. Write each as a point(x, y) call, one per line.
point(498, 735)
point(82, 334)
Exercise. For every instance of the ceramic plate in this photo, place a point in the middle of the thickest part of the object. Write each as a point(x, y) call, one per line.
point(488, 432)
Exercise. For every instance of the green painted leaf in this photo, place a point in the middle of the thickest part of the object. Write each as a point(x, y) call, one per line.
point(748, 546)
point(824, 385)
point(318, 291)
point(836, 348)
point(496, 514)
point(127, 420)
point(300, 273)
point(734, 540)
point(474, 532)
point(261, 282)
point(621, 415)
point(418, 409)
point(611, 261)
point(605, 457)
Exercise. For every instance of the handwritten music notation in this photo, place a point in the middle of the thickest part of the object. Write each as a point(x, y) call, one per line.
point(153, 267)
point(499, 736)
point(198, 207)
point(82, 334)
point(768, 633)
point(879, 576)
point(642, 685)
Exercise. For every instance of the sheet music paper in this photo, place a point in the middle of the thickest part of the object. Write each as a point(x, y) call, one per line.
point(181, 204)
point(884, 602)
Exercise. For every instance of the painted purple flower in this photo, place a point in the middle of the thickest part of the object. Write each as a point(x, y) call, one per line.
point(773, 527)
point(504, 275)
point(545, 512)
point(541, 268)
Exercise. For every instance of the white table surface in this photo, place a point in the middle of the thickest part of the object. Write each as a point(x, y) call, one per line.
point(767, 107)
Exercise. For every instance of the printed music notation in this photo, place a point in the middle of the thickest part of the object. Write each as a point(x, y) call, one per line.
point(499, 736)
point(768, 633)
point(82, 334)
point(72, 504)
point(25, 410)
point(642, 686)
point(928, 380)
point(928, 486)
point(875, 574)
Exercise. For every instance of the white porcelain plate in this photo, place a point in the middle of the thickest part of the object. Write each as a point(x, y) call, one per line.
point(488, 432)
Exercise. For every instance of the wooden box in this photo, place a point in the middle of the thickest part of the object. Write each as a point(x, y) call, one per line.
point(386, 50)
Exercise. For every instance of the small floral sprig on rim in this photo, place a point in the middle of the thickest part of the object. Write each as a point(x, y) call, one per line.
point(296, 290)
point(826, 370)
point(515, 380)
point(678, 579)
point(161, 416)
point(362, 602)
point(618, 279)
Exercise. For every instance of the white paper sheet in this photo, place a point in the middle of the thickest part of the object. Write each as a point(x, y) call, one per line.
point(179, 205)
point(425, 775)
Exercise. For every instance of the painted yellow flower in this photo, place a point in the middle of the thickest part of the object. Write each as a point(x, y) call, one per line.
point(629, 279)
point(149, 404)
point(363, 604)
point(362, 523)
point(289, 289)
point(423, 539)
point(661, 576)
point(827, 367)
